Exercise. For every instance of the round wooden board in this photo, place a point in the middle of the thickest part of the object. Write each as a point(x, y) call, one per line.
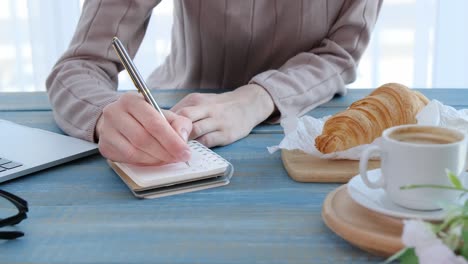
point(366, 229)
point(303, 167)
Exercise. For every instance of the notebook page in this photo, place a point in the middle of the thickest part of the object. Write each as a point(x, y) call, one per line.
point(203, 162)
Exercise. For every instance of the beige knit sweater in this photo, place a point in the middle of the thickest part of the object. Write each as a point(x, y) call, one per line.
point(301, 51)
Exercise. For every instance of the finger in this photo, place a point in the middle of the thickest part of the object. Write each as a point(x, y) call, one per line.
point(182, 125)
point(117, 148)
point(141, 161)
point(213, 139)
point(192, 99)
point(203, 127)
point(194, 113)
point(137, 135)
point(158, 127)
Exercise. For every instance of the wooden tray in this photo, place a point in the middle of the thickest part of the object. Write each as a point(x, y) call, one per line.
point(366, 229)
point(303, 167)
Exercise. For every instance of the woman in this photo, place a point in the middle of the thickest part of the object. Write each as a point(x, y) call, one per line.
point(278, 57)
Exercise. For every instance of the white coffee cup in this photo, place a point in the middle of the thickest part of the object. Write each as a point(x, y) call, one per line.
point(415, 154)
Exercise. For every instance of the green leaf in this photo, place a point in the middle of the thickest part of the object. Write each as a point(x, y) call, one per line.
point(409, 257)
point(415, 186)
point(464, 248)
point(454, 179)
point(405, 256)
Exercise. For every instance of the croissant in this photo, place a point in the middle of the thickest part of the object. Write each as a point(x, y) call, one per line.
point(389, 105)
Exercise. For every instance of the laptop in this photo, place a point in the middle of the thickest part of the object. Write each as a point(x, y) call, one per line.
point(24, 150)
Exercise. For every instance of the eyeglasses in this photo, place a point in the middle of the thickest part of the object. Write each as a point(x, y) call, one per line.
point(22, 207)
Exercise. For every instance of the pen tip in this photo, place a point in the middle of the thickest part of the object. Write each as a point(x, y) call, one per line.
point(188, 164)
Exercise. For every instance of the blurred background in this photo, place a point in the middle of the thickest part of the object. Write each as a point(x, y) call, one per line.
point(419, 43)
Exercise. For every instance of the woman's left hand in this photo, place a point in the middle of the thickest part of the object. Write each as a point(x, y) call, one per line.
point(220, 119)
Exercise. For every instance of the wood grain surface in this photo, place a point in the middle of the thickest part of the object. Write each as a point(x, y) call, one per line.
point(303, 167)
point(81, 212)
point(374, 232)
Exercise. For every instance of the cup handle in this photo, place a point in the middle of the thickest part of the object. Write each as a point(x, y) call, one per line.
point(380, 183)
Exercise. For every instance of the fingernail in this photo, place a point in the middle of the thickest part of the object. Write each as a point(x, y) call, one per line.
point(184, 134)
point(186, 155)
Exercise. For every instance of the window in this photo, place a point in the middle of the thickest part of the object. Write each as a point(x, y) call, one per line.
point(420, 43)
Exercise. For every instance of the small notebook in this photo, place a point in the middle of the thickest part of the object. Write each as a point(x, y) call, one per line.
point(207, 169)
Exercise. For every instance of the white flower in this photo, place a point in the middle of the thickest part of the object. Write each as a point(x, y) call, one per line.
point(428, 248)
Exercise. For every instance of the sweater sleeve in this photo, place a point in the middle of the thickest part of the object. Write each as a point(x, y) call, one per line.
point(85, 78)
point(312, 78)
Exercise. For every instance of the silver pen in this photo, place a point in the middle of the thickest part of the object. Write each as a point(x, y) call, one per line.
point(135, 76)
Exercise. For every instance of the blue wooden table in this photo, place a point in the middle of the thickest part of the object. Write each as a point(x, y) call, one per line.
point(81, 212)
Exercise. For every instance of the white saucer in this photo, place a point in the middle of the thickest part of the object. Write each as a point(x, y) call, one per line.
point(377, 200)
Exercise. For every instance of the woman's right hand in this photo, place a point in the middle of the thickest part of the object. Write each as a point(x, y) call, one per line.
point(130, 130)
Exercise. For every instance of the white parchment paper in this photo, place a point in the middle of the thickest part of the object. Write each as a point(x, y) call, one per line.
point(300, 133)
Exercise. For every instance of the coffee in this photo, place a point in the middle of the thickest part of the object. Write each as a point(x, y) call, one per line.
point(416, 154)
point(425, 135)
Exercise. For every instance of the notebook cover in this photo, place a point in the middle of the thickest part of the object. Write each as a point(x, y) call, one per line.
point(182, 187)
